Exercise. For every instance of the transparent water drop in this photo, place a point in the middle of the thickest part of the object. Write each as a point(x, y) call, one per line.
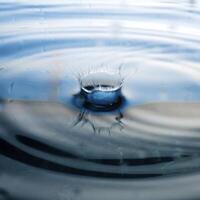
point(101, 90)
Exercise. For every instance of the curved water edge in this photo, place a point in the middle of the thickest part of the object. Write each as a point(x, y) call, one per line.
point(146, 145)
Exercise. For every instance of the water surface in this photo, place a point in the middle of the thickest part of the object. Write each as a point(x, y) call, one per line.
point(53, 148)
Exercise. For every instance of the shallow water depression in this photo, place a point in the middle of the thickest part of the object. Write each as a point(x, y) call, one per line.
point(99, 100)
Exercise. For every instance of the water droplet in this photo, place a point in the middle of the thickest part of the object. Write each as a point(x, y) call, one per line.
point(101, 91)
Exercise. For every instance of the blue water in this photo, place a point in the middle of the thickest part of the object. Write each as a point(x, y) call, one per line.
point(54, 147)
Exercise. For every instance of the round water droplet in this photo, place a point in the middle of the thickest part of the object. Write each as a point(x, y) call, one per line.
point(102, 91)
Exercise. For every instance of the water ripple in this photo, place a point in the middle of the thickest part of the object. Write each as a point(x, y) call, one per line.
point(148, 146)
